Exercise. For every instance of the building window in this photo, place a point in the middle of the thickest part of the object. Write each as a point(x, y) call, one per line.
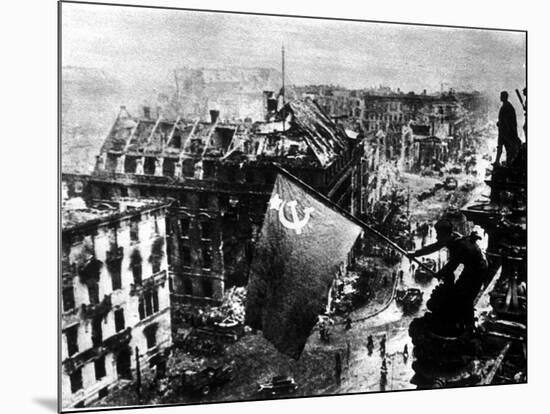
point(206, 230)
point(203, 200)
point(223, 202)
point(93, 292)
point(249, 175)
point(184, 199)
point(149, 166)
point(155, 301)
point(155, 265)
point(72, 340)
point(148, 303)
point(115, 268)
point(137, 272)
point(134, 230)
point(97, 331)
point(156, 225)
point(207, 288)
point(150, 333)
point(119, 320)
point(141, 308)
point(188, 286)
point(206, 258)
point(135, 266)
point(184, 227)
point(123, 191)
point(230, 174)
point(68, 298)
point(185, 255)
point(104, 192)
point(123, 364)
point(76, 380)
point(99, 365)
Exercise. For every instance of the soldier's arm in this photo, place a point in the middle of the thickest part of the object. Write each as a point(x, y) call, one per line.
point(430, 248)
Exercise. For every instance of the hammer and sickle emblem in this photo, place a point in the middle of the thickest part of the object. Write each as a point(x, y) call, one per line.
point(295, 224)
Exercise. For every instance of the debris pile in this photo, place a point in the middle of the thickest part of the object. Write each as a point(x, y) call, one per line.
point(233, 306)
point(344, 292)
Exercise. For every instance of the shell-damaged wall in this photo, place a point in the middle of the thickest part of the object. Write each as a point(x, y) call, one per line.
point(109, 312)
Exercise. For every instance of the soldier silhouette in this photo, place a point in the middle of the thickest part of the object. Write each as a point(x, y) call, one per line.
point(456, 298)
point(507, 131)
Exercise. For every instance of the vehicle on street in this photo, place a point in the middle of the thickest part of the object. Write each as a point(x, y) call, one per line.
point(202, 381)
point(279, 385)
point(409, 299)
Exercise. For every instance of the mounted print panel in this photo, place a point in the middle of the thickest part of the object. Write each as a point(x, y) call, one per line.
point(260, 207)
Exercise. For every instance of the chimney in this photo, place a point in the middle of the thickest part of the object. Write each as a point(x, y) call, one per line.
point(147, 112)
point(214, 114)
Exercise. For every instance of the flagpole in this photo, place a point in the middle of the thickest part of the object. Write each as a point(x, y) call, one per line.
point(350, 217)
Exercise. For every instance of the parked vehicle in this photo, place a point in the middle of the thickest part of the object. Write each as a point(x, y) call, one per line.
point(201, 382)
point(279, 385)
point(410, 299)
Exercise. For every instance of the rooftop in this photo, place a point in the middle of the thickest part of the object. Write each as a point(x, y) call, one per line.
point(77, 215)
point(306, 133)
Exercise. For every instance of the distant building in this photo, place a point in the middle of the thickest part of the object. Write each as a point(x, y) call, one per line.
point(115, 295)
point(234, 91)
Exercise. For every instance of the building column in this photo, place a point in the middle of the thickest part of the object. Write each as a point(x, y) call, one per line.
point(178, 169)
point(100, 162)
point(120, 164)
point(139, 165)
point(159, 161)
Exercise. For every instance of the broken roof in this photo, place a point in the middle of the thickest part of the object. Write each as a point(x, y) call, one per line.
point(326, 139)
point(323, 139)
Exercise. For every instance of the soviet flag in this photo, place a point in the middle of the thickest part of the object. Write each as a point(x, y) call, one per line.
point(303, 241)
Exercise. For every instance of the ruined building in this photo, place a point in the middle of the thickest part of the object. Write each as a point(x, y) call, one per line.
point(115, 295)
point(424, 131)
point(219, 177)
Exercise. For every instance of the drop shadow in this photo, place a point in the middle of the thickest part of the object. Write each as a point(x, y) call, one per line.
point(47, 402)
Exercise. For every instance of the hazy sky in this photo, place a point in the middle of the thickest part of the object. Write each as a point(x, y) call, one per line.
point(150, 42)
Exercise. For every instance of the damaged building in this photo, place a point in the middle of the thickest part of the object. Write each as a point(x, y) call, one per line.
point(219, 176)
point(422, 130)
point(115, 306)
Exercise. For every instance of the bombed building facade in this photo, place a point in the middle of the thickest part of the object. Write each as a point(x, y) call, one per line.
point(219, 176)
point(115, 295)
point(420, 130)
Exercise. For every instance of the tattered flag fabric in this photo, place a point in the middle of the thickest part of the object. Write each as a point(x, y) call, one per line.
point(302, 244)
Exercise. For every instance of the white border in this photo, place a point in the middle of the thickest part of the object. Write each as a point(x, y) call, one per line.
point(29, 143)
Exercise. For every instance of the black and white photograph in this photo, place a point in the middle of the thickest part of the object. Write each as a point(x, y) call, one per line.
point(262, 206)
